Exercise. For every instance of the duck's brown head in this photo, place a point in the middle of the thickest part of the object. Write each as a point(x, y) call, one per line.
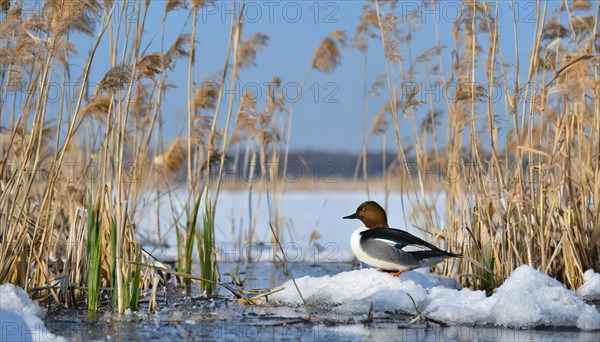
point(371, 214)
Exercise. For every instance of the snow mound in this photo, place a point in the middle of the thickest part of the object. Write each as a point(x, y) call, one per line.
point(531, 298)
point(353, 291)
point(20, 317)
point(590, 290)
point(527, 298)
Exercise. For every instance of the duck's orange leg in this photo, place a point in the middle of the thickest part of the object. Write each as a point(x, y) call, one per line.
point(392, 273)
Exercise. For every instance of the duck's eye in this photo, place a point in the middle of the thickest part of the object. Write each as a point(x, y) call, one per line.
point(363, 209)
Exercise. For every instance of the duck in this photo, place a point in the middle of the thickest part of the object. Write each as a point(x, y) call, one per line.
point(390, 250)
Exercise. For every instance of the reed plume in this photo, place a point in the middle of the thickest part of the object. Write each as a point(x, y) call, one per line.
point(328, 54)
point(247, 49)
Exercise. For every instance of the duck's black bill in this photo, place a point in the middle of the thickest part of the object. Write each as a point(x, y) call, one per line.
point(353, 216)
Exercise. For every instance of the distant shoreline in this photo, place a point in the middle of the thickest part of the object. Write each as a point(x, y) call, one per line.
point(378, 184)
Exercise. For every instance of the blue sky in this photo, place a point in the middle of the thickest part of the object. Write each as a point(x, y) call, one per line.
point(328, 115)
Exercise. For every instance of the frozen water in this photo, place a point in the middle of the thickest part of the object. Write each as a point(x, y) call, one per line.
point(301, 213)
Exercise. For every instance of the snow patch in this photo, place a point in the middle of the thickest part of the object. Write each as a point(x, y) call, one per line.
point(353, 291)
point(590, 290)
point(528, 298)
point(20, 317)
point(531, 298)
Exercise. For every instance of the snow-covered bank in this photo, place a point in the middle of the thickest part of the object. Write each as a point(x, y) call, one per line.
point(20, 317)
point(527, 298)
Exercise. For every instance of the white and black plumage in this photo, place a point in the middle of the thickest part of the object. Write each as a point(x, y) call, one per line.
point(391, 250)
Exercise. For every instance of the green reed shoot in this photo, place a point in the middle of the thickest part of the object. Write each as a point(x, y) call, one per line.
point(206, 253)
point(94, 256)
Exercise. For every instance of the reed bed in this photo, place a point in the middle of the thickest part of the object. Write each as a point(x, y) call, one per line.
point(522, 181)
point(68, 235)
point(526, 195)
